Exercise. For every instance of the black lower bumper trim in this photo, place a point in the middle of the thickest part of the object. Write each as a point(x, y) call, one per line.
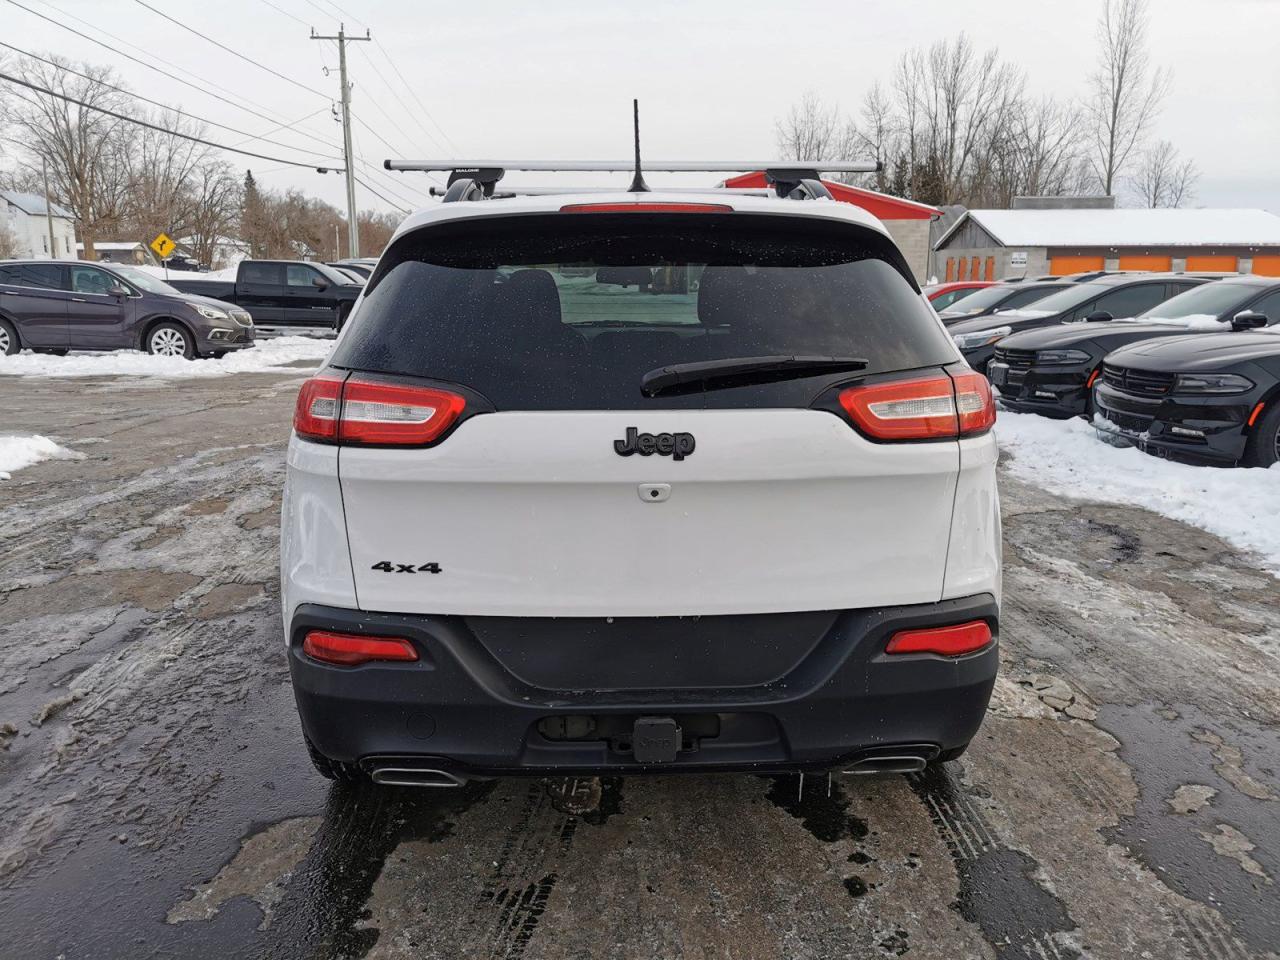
point(461, 710)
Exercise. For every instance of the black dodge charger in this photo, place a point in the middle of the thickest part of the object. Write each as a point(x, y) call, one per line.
point(1122, 295)
point(1212, 399)
point(1050, 370)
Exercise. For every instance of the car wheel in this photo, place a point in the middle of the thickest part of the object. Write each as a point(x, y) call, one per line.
point(9, 344)
point(170, 340)
point(332, 769)
point(1263, 448)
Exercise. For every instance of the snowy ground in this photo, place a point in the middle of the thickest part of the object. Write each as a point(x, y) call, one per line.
point(1065, 457)
point(269, 355)
point(17, 452)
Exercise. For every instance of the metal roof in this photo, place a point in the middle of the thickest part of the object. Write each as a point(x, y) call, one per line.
point(33, 204)
point(1125, 228)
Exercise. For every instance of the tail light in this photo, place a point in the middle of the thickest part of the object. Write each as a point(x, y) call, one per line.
point(944, 641)
point(365, 412)
point(351, 650)
point(929, 408)
point(315, 416)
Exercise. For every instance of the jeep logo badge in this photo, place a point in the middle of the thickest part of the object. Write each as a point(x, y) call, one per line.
point(677, 446)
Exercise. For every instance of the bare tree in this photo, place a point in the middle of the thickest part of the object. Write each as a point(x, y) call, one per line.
point(813, 130)
point(212, 208)
point(85, 149)
point(164, 174)
point(1127, 92)
point(8, 242)
point(1162, 179)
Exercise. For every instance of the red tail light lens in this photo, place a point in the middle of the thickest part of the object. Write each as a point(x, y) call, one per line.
point(975, 406)
point(944, 641)
point(904, 409)
point(351, 650)
point(646, 208)
point(373, 413)
point(395, 414)
point(930, 408)
point(315, 416)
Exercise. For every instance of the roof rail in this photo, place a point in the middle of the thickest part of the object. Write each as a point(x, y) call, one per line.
point(477, 179)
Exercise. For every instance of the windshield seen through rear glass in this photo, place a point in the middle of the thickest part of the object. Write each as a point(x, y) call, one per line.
point(571, 311)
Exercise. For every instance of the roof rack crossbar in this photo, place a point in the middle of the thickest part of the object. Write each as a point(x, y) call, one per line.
point(813, 167)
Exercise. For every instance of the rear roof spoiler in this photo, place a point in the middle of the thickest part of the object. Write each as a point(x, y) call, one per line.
point(477, 179)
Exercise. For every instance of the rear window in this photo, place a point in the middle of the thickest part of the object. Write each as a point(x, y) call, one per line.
point(569, 311)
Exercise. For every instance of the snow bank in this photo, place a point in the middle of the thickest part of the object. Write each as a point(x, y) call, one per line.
point(268, 356)
point(161, 274)
point(17, 452)
point(1065, 457)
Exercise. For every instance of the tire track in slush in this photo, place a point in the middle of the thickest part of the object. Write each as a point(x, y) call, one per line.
point(530, 863)
point(998, 890)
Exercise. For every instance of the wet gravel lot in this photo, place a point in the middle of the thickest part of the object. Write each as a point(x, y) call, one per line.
point(1122, 800)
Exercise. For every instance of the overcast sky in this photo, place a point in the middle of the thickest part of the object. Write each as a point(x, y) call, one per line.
point(553, 78)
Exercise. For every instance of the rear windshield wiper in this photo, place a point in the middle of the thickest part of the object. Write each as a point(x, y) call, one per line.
point(740, 372)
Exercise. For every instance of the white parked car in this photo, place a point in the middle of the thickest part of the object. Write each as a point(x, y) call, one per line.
point(652, 483)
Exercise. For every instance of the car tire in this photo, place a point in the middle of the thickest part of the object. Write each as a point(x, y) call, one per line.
point(9, 342)
point(332, 769)
point(1263, 448)
point(170, 340)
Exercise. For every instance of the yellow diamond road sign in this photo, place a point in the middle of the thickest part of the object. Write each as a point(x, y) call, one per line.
point(163, 246)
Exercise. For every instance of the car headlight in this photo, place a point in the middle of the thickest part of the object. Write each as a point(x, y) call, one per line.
point(1048, 357)
point(210, 313)
point(981, 338)
point(1213, 383)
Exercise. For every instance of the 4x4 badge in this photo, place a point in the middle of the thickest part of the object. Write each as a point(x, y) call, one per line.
point(677, 446)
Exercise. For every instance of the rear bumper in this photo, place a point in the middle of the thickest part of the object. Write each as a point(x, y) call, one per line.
point(467, 711)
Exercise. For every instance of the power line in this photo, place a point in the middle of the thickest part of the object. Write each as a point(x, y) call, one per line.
point(342, 11)
point(234, 53)
point(380, 196)
point(404, 106)
point(155, 103)
point(286, 13)
point(152, 126)
point(154, 68)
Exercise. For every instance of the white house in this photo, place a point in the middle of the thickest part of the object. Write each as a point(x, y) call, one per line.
point(24, 216)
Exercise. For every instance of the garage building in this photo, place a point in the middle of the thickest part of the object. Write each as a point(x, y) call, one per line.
point(1004, 244)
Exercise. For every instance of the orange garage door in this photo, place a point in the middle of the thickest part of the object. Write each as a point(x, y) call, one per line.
point(1267, 266)
point(1211, 263)
point(1064, 265)
point(1146, 263)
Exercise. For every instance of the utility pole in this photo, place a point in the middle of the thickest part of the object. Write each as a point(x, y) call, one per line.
point(48, 208)
point(353, 239)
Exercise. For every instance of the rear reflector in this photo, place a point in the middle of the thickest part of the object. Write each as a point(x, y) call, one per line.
point(931, 408)
point(350, 650)
point(372, 412)
point(646, 208)
point(944, 641)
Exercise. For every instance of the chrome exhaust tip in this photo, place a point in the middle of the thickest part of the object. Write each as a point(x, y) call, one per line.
point(906, 763)
point(415, 777)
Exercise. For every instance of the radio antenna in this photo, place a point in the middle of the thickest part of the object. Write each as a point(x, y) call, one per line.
point(637, 182)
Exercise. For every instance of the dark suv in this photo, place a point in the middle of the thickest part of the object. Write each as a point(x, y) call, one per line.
point(52, 306)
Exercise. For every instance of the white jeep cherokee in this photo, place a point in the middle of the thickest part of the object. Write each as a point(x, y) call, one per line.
point(667, 482)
